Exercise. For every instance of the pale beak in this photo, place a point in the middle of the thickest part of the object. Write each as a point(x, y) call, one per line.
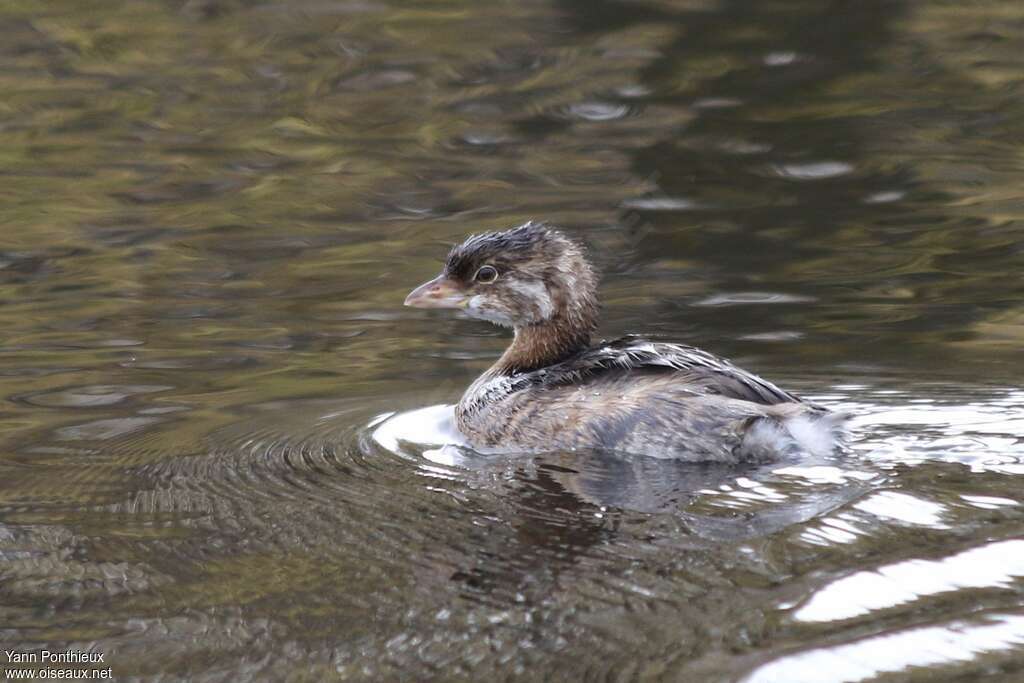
point(441, 292)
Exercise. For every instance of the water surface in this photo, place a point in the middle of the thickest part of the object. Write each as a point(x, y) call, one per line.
point(210, 212)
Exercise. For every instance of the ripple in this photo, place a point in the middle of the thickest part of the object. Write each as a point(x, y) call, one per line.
point(904, 508)
point(47, 562)
point(633, 90)
point(831, 531)
point(885, 197)
point(746, 298)
point(982, 434)
point(101, 430)
point(661, 204)
point(717, 103)
point(190, 363)
point(824, 474)
point(595, 111)
point(483, 138)
point(428, 432)
point(377, 79)
point(820, 170)
point(89, 396)
point(955, 643)
point(743, 147)
point(995, 565)
point(988, 502)
point(780, 336)
point(780, 58)
point(298, 453)
point(506, 66)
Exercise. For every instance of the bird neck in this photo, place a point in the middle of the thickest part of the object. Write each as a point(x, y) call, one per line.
point(540, 345)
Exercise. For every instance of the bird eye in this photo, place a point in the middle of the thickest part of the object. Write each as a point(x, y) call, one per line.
point(486, 274)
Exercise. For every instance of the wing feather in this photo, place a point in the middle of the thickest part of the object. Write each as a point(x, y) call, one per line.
point(706, 372)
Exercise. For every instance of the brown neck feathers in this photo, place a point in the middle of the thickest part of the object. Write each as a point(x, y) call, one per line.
point(538, 346)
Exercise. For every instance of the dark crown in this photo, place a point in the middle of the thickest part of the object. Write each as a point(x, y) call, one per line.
point(504, 248)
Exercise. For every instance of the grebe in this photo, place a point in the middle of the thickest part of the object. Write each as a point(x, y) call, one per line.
point(553, 390)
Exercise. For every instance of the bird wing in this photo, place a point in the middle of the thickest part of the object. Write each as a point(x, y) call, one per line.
point(706, 372)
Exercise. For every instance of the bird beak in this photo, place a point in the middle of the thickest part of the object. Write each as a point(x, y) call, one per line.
point(441, 292)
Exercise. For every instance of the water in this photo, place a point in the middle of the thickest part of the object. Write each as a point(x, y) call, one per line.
point(212, 210)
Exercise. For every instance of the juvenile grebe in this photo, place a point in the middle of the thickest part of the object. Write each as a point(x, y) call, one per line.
point(553, 390)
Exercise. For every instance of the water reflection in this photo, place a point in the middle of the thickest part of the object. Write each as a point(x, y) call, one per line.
point(995, 565)
point(993, 640)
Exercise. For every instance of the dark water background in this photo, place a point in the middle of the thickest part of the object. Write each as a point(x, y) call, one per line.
point(211, 211)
